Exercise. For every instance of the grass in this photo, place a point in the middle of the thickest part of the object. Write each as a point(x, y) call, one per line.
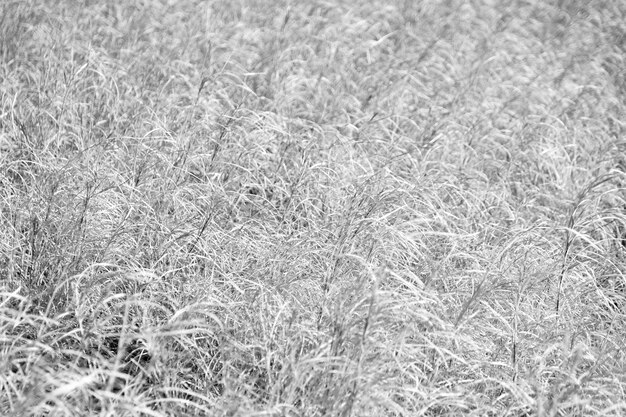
point(283, 208)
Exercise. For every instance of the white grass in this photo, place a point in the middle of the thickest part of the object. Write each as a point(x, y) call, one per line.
point(263, 208)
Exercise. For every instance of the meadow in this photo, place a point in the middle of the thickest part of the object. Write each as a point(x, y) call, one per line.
point(313, 208)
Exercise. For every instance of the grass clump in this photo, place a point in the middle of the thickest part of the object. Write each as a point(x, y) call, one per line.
point(312, 208)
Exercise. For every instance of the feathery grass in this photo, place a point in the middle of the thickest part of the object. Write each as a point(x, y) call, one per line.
point(289, 208)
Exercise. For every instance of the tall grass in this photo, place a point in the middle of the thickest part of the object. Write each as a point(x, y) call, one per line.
point(261, 208)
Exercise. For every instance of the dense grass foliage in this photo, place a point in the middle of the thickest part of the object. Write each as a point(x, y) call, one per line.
point(312, 208)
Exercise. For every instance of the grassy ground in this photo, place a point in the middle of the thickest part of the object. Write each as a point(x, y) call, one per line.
point(309, 208)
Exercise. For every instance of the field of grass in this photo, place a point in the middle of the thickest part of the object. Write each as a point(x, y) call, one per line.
point(313, 208)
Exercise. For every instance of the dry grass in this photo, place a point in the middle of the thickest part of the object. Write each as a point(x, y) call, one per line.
point(262, 208)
